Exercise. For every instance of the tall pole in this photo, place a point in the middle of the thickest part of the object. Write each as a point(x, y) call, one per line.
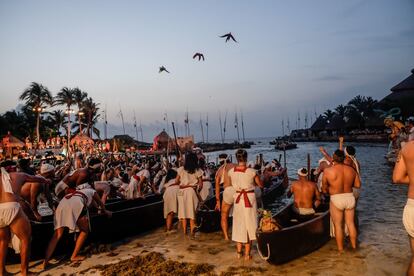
point(236, 125)
point(122, 119)
point(207, 128)
point(244, 138)
point(283, 128)
point(221, 128)
point(225, 124)
point(135, 125)
point(202, 129)
point(142, 134)
point(105, 125)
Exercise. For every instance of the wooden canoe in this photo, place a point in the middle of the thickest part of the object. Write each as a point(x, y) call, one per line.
point(209, 220)
point(129, 217)
point(297, 237)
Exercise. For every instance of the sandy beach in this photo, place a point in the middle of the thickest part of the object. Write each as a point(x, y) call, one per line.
point(384, 248)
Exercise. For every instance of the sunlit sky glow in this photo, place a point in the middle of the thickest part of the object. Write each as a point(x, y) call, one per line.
point(292, 56)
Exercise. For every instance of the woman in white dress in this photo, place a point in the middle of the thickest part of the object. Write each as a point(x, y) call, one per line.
point(189, 177)
point(244, 180)
point(171, 189)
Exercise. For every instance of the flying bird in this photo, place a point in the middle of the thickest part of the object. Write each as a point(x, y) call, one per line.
point(162, 68)
point(228, 36)
point(199, 55)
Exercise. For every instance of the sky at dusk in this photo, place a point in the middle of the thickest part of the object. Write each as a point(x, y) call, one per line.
point(292, 57)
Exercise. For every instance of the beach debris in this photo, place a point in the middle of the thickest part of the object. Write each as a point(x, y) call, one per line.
point(154, 263)
point(162, 68)
point(199, 55)
point(229, 36)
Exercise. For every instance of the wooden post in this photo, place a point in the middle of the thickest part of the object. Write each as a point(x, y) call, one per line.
point(309, 165)
point(284, 156)
point(177, 148)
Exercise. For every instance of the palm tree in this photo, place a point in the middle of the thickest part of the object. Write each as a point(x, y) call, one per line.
point(341, 111)
point(37, 97)
point(66, 97)
point(57, 119)
point(79, 97)
point(92, 115)
point(328, 114)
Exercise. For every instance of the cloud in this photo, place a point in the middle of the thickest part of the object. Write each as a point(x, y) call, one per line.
point(330, 78)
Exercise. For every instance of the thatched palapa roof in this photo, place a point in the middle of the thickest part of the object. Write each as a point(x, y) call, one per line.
point(319, 124)
point(336, 123)
point(402, 96)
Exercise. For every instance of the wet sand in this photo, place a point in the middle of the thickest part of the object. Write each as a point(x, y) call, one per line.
point(384, 247)
point(211, 249)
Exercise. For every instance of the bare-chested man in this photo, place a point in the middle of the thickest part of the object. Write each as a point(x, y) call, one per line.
point(78, 177)
point(338, 181)
point(12, 218)
point(31, 190)
point(305, 193)
point(222, 178)
point(404, 174)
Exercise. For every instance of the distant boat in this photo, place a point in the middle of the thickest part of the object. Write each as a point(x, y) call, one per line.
point(282, 144)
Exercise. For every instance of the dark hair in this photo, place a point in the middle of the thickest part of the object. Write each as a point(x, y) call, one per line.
point(191, 162)
point(24, 163)
point(171, 174)
point(7, 163)
point(339, 156)
point(241, 155)
point(350, 150)
point(201, 163)
point(94, 161)
point(223, 155)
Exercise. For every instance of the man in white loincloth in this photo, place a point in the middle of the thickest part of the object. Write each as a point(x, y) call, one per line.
point(72, 213)
point(305, 193)
point(12, 217)
point(222, 179)
point(244, 180)
point(404, 174)
point(338, 181)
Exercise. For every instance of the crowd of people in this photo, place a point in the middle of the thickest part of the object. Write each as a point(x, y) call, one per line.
point(83, 184)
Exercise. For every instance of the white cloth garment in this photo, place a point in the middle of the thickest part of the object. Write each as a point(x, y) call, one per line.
point(170, 197)
point(70, 208)
point(207, 190)
point(187, 197)
point(408, 217)
point(5, 178)
point(245, 207)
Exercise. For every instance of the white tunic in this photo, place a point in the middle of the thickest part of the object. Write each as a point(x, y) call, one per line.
point(207, 190)
point(245, 206)
point(187, 197)
point(70, 208)
point(131, 191)
point(170, 197)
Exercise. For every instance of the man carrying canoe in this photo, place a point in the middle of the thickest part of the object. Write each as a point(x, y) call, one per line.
point(338, 181)
point(305, 194)
point(222, 179)
point(404, 174)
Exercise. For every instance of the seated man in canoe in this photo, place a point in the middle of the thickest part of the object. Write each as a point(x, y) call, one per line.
point(338, 181)
point(305, 193)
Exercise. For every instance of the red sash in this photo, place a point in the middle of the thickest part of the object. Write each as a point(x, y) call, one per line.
point(77, 193)
point(247, 203)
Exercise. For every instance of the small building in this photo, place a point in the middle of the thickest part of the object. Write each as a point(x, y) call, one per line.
point(402, 97)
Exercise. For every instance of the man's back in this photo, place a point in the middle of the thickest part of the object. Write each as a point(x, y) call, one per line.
point(341, 179)
point(304, 193)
